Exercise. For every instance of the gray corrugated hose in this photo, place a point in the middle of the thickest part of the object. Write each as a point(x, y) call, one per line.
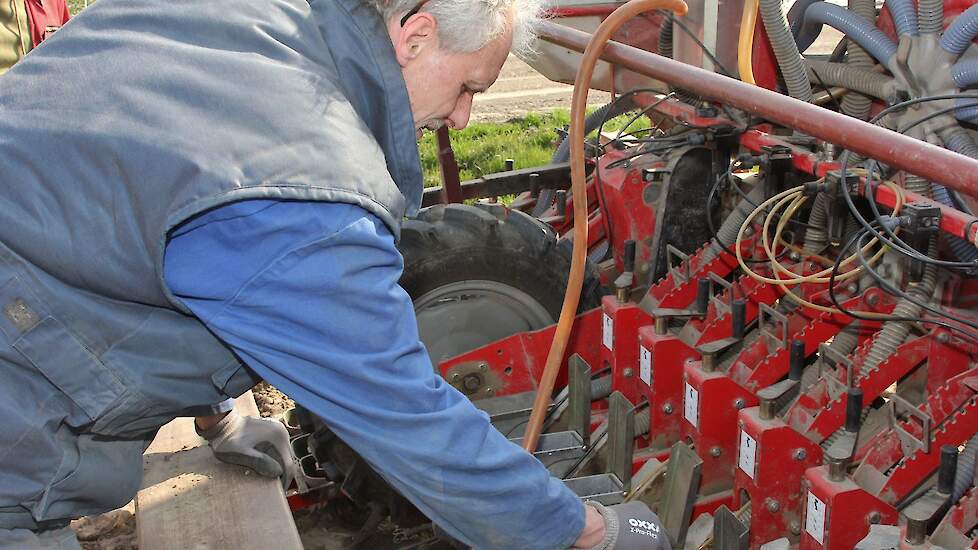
point(850, 77)
point(727, 233)
point(961, 32)
point(931, 16)
point(964, 477)
point(805, 32)
point(856, 28)
point(815, 235)
point(894, 333)
point(785, 50)
point(960, 141)
point(965, 73)
point(858, 105)
point(665, 38)
point(904, 16)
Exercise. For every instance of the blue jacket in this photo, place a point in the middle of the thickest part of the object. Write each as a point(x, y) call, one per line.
point(131, 120)
point(307, 294)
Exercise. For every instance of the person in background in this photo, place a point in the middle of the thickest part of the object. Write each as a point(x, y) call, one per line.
point(26, 23)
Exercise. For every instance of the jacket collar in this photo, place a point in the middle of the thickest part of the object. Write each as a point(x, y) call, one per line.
point(372, 81)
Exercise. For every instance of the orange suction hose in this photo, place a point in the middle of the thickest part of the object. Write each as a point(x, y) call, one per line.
point(568, 312)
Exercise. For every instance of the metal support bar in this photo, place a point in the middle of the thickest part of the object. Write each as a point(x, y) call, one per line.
point(621, 438)
point(579, 408)
point(925, 423)
point(682, 480)
point(729, 533)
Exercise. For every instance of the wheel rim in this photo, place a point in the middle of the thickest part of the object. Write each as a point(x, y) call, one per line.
point(465, 315)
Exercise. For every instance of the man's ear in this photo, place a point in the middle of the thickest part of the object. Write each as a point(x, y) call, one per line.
point(418, 35)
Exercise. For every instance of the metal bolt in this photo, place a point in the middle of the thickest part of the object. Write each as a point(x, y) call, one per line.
point(661, 325)
point(852, 288)
point(773, 506)
point(838, 469)
point(943, 337)
point(629, 372)
point(800, 454)
point(455, 377)
point(795, 257)
point(715, 452)
point(471, 383)
point(709, 362)
point(739, 403)
point(795, 528)
point(873, 299)
point(916, 531)
point(667, 408)
point(483, 367)
point(874, 517)
point(490, 390)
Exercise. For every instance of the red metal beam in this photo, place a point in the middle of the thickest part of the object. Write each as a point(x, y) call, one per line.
point(953, 221)
point(917, 157)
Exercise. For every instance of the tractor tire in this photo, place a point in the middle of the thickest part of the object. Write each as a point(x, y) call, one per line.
point(478, 273)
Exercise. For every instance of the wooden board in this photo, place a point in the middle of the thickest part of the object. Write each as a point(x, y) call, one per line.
point(191, 500)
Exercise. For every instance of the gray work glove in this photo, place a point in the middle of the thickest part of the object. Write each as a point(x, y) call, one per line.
point(260, 444)
point(631, 526)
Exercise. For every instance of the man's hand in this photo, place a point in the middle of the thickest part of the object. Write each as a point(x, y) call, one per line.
point(260, 444)
point(629, 526)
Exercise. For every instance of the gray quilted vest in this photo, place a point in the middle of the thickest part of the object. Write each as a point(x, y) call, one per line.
point(134, 118)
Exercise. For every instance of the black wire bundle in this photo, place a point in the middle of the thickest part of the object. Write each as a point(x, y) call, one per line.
point(888, 236)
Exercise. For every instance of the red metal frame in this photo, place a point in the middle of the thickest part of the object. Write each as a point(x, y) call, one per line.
point(771, 459)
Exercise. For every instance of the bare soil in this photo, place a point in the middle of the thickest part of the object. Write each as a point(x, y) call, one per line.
point(271, 402)
point(115, 530)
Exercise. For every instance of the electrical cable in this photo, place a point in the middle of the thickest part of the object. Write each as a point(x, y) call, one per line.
point(890, 289)
point(855, 239)
point(821, 83)
point(890, 238)
point(796, 198)
point(778, 198)
point(723, 69)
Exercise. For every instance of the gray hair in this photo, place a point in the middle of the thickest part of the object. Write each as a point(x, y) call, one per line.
point(468, 25)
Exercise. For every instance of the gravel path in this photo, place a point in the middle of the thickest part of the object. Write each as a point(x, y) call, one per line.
point(520, 90)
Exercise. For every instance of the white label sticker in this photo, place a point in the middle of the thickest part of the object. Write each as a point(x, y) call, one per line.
point(645, 364)
point(748, 453)
point(609, 332)
point(691, 405)
point(815, 518)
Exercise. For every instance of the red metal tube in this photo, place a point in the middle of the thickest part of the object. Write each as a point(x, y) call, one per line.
point(917, 157)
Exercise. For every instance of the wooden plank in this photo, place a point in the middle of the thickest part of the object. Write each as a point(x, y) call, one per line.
point(191, 500)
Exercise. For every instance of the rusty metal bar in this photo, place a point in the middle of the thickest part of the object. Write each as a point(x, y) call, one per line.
point(451, 189)
point(917, 157)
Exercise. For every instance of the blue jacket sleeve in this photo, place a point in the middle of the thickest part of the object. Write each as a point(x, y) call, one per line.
point(307, 295)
